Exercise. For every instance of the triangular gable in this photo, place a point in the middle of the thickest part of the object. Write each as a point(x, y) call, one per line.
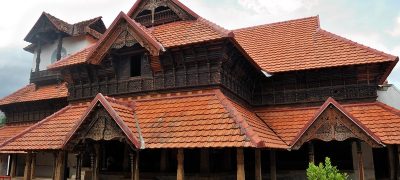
point(177, 7)
point(101, 122)
point(46, 23)
point(333, 122)
point(124, 32)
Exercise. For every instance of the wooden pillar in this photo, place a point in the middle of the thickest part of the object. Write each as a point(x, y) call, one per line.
point(78, 166)
point(272, 158)
point(392, 163)
point(163, 160)
point(13, 168)
point(60, 166)
point(360, 161)
point(257, 160)
point(204, 161)
point(33, 166)
point(240, 174)
point(180, 174)
point(95, 161)
point(311, 156)
point(59, 46)
point(39, 51)
point(136, 170)
point(28, 163)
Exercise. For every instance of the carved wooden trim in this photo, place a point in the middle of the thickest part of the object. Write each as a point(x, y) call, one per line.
point(331, 125)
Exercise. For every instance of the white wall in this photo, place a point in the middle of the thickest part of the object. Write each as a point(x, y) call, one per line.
point(70, 44)
point(390, 95)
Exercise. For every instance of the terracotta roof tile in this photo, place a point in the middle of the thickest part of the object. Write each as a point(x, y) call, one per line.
point(49, 133)
point(10, 130)
point(301, 44)
point(188, 32)
point(33, 93)
point(77, 58)
point(380, 119)
point(206, 119)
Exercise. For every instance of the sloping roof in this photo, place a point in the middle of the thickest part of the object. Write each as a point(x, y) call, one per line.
point(198, 119)
point(32, 92)
point(73, 59)
point(182, 33)
point(49, 133)
point(76, 29)
point(10, 130)
point(301, 44)
point(380, 119)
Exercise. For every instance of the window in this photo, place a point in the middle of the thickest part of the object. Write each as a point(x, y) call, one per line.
point(136, 66)
point(54, 55)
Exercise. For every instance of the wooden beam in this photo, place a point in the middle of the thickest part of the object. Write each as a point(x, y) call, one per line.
point(360, 162)
point(28, 163)
point(39, 51)
point(163, 160)
point(13, 168)
point(273, 164)
point(204, 161)
point(60, 166)
point(240, 174)
point(257, 160)
point(311, 156)
point(180, 174)
point(59, 46)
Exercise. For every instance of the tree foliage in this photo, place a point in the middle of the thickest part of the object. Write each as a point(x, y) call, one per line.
point(325, 172)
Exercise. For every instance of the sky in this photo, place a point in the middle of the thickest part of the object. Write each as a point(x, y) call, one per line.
point(375, 23)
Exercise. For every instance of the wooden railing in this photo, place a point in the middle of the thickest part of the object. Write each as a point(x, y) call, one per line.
point(161, 17)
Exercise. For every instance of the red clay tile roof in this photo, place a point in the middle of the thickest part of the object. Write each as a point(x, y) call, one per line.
point(77, 58)
point(201, 120)
point(49, 133)
point(33, 93)
point(10, 130)
point(301, 44)
point(182, 33)
point(206, 119)
point(380, 119)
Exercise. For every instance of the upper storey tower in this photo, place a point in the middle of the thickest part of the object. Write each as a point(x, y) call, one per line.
point(53, 39)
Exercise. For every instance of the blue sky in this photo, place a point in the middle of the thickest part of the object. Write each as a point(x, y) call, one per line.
point(375, 23)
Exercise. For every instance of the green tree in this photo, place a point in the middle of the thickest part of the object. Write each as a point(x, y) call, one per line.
point(325, 172)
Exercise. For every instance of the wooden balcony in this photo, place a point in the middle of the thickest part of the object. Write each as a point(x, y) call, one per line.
point(45, 77)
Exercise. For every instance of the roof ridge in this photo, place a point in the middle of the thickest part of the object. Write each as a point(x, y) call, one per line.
point(92, 20)
point(238, 118)
point(221, 30)
point(278, 23)
point(343, 39)
point(34, 126)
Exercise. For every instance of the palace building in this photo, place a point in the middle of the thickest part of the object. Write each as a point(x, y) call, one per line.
point(166, 94)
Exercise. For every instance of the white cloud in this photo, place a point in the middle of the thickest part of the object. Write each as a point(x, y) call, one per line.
point(396, 29)
point(274, 7)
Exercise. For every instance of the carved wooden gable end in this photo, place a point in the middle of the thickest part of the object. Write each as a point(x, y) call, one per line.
point(333, 125)
point(98, 126)
point(123, 35)
point(171, 12)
